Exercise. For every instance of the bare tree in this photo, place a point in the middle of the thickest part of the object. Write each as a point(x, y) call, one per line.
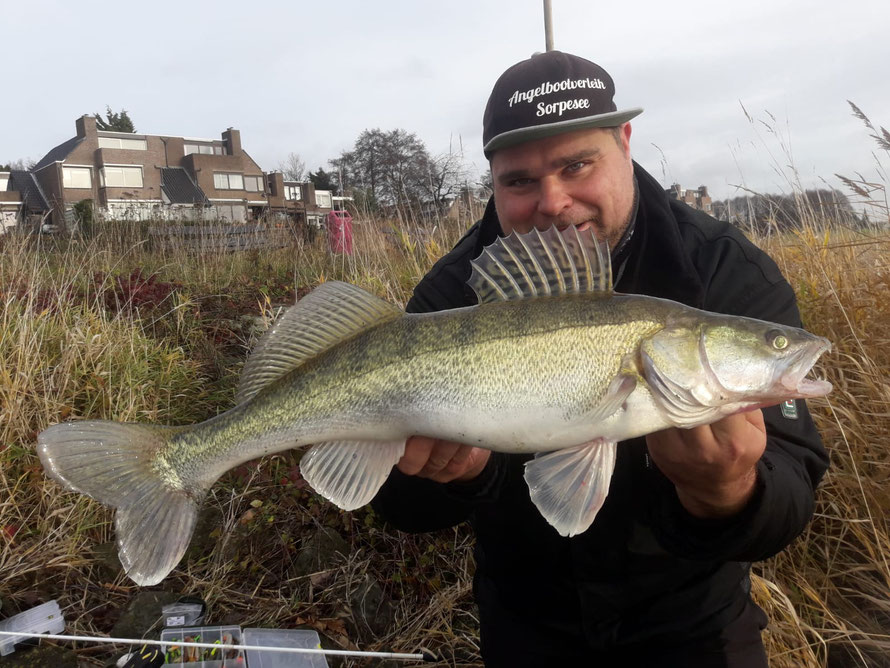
point(787, 212)
point(22, 164)
point(485, 185)
point(447, 177)
point(386, 168)
point(293, 167)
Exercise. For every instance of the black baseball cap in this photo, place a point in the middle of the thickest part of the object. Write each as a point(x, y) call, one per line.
point(548, 94)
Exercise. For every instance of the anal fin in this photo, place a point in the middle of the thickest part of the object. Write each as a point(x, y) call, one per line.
point(350, 473)
point(570, 486)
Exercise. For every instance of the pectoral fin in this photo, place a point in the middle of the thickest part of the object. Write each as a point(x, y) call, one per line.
point(350, 473)
point(570, 486)
point(621, 387)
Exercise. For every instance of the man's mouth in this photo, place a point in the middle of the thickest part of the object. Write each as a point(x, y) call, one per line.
point(586, 225)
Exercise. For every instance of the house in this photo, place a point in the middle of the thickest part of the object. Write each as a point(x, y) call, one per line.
point(697, 199)
point(298, 200)
point(21, 199)
point(10, 203)
point(466, 205)
point(132, 175)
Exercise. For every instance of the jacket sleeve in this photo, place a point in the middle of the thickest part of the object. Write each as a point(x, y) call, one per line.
point(417, 505)
point(793, 463)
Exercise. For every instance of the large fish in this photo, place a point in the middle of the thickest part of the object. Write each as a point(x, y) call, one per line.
point(550, 362)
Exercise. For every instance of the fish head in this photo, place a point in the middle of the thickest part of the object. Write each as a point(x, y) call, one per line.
point(698, 365)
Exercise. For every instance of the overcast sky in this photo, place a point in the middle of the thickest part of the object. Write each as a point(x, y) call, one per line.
point(308, 77)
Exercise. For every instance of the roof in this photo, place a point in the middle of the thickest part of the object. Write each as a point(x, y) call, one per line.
point(60, 152)
point(32, 194)
point(179, 188)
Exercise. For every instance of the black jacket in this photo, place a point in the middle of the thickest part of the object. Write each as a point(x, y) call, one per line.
point(645, 569)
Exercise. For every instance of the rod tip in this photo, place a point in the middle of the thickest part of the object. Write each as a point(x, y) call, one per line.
point(428, 656)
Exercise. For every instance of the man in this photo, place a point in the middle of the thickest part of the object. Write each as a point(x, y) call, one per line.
point(661, 578)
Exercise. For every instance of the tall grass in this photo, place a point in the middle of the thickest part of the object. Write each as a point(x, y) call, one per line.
point(115, 327)
point(831, 588)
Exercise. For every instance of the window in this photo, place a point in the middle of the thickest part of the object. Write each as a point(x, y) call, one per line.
point(204, 149)
point(123, 142)
point(323, 199)
point(122, 177)
point(4, 182)
point(292, 192)
point(253, 183)
point(77, 177)
point(228, 181)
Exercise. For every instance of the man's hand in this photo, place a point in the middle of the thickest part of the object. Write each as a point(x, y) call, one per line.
point(712, 466)
point(442, 461)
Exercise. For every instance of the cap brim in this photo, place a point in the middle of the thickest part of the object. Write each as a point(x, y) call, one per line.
point(522, 135)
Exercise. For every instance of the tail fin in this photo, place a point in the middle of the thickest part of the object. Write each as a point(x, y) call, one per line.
point(113, 462)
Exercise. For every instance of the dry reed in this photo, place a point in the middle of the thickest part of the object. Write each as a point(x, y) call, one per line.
point(78, 340)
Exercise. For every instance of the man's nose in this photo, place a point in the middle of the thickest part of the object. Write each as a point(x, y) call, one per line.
point(553, 199)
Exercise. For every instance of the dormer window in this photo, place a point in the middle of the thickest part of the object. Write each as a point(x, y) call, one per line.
point(203, 149)
point(123, 142)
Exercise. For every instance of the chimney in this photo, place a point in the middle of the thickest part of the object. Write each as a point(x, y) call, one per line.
point(308, 189)
point(276, 184)
point(86, 126)
point(232, 138)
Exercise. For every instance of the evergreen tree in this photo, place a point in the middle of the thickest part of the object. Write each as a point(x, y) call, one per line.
point(323, 180)
point(115, 122)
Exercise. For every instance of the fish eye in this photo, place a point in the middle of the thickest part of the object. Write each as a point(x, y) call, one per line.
point(778, 340)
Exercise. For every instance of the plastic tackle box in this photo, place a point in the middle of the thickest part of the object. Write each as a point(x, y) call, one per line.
point(200, 657)
point(257, 658)
point(45, 618)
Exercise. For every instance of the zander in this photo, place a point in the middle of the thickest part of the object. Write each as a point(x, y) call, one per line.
point(551, 362)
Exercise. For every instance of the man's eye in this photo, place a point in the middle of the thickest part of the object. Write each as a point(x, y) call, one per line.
point(518, 183)
point(575, 166)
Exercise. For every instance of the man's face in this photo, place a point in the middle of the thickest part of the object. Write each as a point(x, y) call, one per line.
point(582, 178)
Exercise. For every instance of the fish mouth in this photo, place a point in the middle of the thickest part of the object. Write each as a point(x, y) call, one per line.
point(794, 381)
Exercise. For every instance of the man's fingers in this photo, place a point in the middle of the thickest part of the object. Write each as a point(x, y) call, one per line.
point(442, 461)
point(417, 453)
point(459, 460)
point(735, 434)
point(440, 457)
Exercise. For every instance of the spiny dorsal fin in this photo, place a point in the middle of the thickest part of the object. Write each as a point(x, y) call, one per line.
point(539, 264)
point(329, 314)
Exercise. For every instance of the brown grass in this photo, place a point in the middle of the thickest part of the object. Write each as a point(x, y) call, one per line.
point(80, 336)
point(828, 592)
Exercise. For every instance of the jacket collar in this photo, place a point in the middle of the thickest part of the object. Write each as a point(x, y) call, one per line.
point(659, 265)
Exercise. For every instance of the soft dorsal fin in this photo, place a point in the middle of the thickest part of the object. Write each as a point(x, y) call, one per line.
point(540, 264)
point(329, 314)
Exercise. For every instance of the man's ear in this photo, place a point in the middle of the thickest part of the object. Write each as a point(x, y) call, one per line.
point(625, 138)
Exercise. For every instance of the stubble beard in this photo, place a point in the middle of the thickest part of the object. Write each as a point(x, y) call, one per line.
point(611, 235)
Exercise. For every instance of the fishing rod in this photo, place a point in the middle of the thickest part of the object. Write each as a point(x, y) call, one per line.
point(423, 656)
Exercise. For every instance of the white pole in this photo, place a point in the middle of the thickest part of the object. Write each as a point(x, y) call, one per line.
point(548, 26)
